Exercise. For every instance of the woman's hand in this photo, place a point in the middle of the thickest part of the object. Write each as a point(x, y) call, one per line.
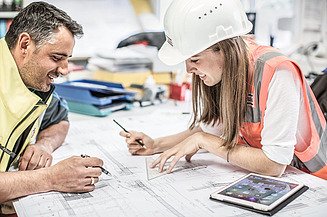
point(187, 148)
point(134, 146)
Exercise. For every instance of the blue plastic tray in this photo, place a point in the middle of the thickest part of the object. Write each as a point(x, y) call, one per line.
point(93, 92)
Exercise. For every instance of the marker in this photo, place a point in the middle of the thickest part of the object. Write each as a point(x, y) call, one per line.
point(137, 140)
point(102, 169)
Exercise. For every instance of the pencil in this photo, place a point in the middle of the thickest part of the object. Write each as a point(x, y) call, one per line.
point(137, 140)
point(102, 169)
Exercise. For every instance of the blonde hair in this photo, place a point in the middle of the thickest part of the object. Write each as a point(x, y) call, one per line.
point(224, 102)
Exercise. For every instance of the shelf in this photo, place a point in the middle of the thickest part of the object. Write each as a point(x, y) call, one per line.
point(8, 14)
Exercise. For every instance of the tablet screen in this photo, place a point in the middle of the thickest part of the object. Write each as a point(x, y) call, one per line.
point(258, 189)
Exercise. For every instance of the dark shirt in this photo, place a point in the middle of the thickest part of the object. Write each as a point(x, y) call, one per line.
point(57, 111)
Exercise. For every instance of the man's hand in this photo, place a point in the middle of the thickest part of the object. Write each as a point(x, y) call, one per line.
point(35, 156)
point(75, 174)
point(39, 155)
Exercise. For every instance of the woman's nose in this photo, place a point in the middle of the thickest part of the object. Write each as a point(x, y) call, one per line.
point(190, 68)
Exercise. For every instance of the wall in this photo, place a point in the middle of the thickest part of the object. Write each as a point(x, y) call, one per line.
point(105, 23)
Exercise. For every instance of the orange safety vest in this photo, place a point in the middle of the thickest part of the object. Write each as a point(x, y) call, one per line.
point(266, 61)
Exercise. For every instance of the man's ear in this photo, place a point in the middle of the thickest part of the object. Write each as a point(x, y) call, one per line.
point(24, 43)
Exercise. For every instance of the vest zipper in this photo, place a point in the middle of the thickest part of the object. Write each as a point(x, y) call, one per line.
point(4, 148)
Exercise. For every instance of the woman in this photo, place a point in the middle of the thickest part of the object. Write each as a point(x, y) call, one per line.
point(251, 104)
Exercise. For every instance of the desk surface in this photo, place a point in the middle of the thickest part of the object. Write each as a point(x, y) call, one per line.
point(129, 192)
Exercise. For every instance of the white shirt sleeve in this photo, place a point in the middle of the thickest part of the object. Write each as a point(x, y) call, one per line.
point(284, 110)
point(281, 117)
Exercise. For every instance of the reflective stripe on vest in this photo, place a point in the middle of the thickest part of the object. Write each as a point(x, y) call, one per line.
point(315, 156)
point(320, 159)
point(253, 113)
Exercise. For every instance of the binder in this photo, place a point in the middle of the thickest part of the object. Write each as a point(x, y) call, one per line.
point(93, 97)
point(94, 110)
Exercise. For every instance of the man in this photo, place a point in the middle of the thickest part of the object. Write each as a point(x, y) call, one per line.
point(33, 120)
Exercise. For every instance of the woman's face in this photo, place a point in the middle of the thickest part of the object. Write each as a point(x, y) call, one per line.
point(208, 65)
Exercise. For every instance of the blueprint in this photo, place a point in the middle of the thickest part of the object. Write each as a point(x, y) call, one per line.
point(134, 189)
point(181, 166)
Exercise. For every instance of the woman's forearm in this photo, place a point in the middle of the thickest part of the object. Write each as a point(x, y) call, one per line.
point(249, 158)
point(163, 143)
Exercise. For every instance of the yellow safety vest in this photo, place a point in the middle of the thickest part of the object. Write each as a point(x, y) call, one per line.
point(20, 109)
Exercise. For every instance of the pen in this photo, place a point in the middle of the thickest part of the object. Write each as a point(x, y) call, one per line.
point(102, 169)
point(7, 151)
point(137, 140)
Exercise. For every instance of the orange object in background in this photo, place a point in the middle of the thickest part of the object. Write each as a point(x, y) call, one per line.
point(177, 91)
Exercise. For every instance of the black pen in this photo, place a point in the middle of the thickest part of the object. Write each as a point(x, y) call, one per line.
point(102, 169)
point(137, 140)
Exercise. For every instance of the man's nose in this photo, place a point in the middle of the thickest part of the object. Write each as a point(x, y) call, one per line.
point(63, 68)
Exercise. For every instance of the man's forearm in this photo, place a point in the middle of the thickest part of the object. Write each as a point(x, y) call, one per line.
point(54, 135)
point(22, 183)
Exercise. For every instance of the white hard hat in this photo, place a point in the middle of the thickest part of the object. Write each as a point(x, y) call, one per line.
point(192, 26)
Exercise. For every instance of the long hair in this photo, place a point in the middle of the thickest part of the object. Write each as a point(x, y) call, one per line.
point(40, 20)
point(225, 102)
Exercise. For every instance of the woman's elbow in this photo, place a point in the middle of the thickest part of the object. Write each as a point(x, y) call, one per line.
point(276, 170)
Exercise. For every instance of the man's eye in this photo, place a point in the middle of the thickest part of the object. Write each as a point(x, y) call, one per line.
point(56, 58)
point(194, 60)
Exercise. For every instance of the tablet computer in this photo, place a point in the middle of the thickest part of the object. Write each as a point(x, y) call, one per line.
point(257, 191)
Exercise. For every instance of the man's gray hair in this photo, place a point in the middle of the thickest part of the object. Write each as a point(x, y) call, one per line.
point(40, 20)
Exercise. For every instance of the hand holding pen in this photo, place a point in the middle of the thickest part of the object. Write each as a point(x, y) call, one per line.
point(138, 143)
point(102, 169)
point(137, 140)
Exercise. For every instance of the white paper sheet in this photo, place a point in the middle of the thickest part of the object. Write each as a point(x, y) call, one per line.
point(129, 192)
